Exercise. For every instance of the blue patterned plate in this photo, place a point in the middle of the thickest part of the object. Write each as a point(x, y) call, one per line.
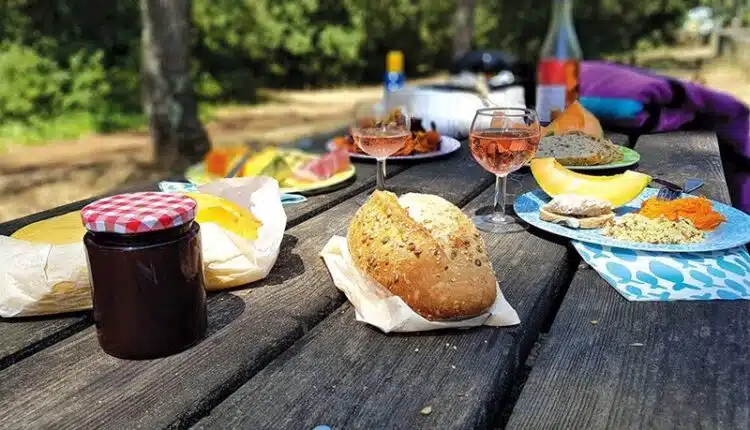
point(734, 232)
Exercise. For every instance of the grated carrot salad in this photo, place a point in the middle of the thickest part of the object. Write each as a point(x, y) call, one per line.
point(698, 210)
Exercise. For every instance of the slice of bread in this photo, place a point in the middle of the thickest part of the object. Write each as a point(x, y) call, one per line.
point(576, 222)
point(578, 150)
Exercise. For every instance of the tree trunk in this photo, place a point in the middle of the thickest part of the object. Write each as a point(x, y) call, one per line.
point(463, 24)
point(168, 96)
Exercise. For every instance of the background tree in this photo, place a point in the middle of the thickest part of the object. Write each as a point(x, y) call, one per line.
point(463, 26)
point(168, 95)
point(65, 71)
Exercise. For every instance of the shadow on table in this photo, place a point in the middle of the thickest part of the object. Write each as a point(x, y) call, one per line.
point(223, 308)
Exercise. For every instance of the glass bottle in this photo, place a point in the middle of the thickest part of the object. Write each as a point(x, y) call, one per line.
point(394, 71)
point(558, 72)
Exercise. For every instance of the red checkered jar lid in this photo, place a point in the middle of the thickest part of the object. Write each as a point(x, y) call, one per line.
point(138, 213)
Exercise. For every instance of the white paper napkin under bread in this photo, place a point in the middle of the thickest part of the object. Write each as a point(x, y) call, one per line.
point(377, 306)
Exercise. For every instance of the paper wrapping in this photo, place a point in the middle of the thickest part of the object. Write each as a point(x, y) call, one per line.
point(44, 279)
point(377, 306)
point(40, 279)
point(230, 260)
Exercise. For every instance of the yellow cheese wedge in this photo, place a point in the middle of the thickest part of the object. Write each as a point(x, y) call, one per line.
point(555, 179)
point(226, 214)
point(60, 230)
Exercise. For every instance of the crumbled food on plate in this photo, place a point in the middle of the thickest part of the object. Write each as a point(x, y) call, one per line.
point(638, 228)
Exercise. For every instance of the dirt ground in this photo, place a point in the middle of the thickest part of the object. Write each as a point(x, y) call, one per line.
point(36, 178)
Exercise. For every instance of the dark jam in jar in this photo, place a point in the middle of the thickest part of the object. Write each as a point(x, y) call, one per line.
point(146, 267)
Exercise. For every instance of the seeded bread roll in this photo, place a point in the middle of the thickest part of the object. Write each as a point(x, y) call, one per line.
point(426, 251)
point(578, 150)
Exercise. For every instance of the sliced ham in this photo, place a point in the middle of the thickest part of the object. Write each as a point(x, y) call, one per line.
point(323, 167)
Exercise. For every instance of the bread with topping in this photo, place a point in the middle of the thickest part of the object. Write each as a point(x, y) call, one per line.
point(577, 212)
point(424, 250)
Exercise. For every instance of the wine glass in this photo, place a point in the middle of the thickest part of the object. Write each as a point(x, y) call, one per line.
point(502, 140)
point(380, 130)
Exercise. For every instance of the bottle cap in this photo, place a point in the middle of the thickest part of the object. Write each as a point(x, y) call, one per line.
point(394, 62)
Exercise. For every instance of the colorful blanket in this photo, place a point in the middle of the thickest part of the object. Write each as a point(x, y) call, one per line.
point(633, 100)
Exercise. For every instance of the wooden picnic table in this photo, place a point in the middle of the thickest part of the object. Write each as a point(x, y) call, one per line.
point(287, 352)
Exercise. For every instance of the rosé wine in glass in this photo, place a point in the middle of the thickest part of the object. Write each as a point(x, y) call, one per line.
point(380, 130)
point(380, 143)
point(503, 151)
point(502, 140)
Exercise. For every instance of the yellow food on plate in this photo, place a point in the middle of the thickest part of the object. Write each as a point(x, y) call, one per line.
point(618, 190)
point(270, 162)
point(60, 230)
point(638, 228)
point(226, 214)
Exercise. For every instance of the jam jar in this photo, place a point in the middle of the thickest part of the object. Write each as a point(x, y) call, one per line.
point(146, 267)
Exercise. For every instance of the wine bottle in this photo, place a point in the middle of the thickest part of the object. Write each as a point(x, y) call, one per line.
point(558, 72)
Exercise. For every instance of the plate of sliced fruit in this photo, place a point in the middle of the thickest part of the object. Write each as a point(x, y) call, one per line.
point(621, 211)
point(296, 171)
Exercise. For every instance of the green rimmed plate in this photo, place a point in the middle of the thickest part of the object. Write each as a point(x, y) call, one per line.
point(630, 157)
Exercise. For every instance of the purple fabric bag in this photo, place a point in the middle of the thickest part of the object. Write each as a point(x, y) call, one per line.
point(636, 101)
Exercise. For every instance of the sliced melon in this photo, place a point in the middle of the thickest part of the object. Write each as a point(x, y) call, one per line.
point(575, 119)
point(555, 179)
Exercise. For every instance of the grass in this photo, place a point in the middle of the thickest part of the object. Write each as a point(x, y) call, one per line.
point(69, 126)
point(76, 125)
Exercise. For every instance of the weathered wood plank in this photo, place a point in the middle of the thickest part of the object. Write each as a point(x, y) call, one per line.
point(682, 155)
point(645, 365)
point(22, 337)
point(365, 180)
point(74, 384)
point(619, 139)
point(345, 374)
point(693, 370)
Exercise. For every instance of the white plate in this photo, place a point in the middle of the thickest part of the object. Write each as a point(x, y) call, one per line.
point(447, 145)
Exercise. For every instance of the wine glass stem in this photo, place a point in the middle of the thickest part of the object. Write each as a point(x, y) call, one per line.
point(380, 176)
point(500, 195)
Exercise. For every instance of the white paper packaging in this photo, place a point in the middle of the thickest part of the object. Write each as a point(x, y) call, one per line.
point(44, 279)
point(376, 306)
point(229, 260)
point(40, 279)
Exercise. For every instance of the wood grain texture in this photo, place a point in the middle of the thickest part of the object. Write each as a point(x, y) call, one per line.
point(645, 364)
point(692, 370)
point(682, 155)
point(345, 374)
point(364, 180)
point(619, 139)
point(74, 384)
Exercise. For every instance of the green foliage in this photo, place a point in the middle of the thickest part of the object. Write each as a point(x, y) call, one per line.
point(29, 84)
point(75, 63)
